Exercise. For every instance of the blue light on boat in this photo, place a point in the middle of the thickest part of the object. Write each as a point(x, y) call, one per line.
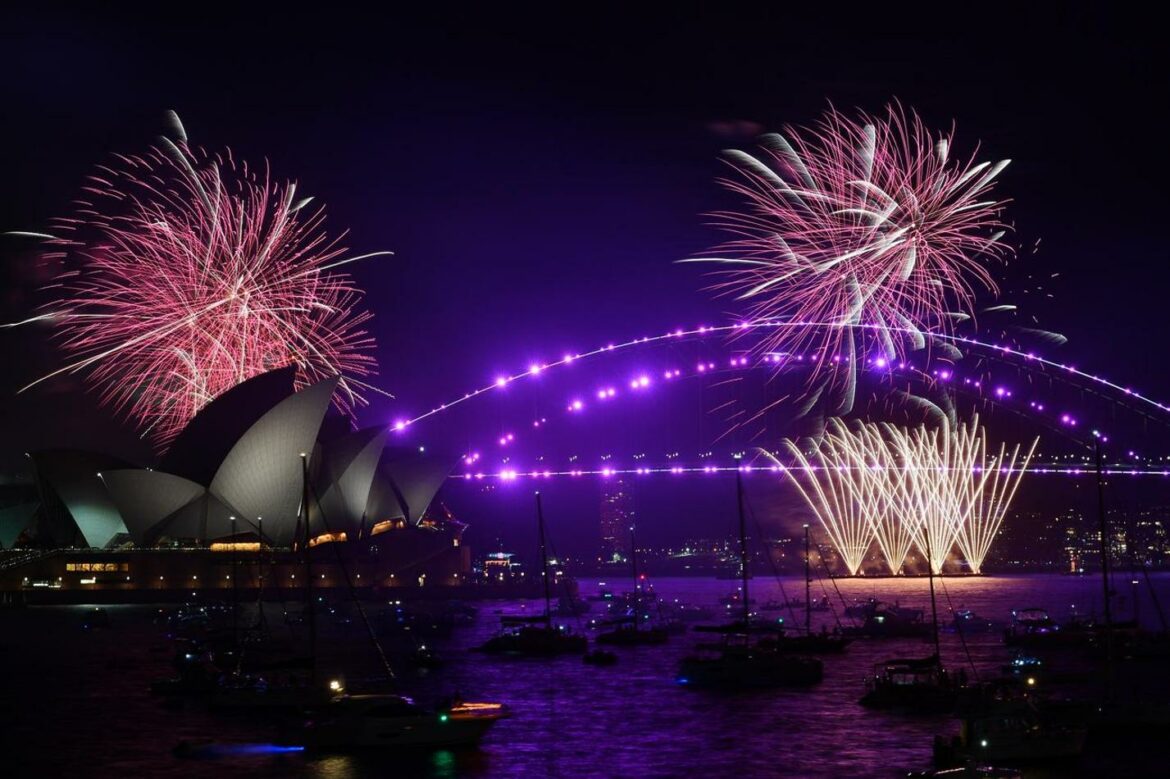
point(261, 749)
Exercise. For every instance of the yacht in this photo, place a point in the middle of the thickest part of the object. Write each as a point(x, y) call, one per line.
point(1012, 731)
point(381, 721)
point(534, 636)
point(884, 620)
point(739, 661)
point(916, 685)
point(627, 632)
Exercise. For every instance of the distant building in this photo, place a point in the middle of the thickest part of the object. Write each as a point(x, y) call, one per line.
point(617, 517)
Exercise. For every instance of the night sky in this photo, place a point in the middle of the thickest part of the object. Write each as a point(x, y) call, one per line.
point(538, 174)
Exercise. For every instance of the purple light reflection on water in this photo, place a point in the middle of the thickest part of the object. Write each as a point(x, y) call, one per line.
point(556, 729)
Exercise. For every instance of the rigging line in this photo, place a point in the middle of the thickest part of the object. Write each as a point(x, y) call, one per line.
point(833, 579)
point(775, 571)
point(564, 584)
point(962, 636)
point(349, 585)
point(771, 563)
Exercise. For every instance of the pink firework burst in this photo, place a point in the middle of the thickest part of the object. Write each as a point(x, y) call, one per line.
point(866, 228)
point(185, 273)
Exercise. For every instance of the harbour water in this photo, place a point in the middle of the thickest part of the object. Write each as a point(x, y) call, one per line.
point(75, 701)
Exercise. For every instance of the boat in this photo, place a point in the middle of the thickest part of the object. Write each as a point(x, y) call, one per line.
point(823, 643)
point(916, 685)
point(1033, 627)
point(570, 606)
point(809, 642)
point(735, 599)
point(1023, 665)
point(885, 620)
point(535, 636)
point(968, 772)
point(627, 633)
point(821, 604)
point(1010, 731)
point(861, 610)
point(602, 594)
point(600, 657)
point(381, 721)
point(253, 692)
point(628, 630)
point(968, 622)
point(730, 571)
point(912, 685)
point(739, 664)
point(240, 690)
point(739, 661)
point(425, 658)
point(210, 749)
point(689, 612)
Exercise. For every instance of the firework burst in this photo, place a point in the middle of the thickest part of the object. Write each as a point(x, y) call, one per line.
point(864, 221)
point(184, 273)
point(897, 487)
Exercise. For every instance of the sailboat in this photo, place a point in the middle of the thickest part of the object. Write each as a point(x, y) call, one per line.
point(736, 662)
point(1132, 707)
point(628, 630)
point(809, 642)
point(240, 690)
point(347, 722)
point(535, 636)
point(915, 685)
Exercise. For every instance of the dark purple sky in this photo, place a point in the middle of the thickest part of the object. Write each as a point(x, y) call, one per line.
point(538, 173)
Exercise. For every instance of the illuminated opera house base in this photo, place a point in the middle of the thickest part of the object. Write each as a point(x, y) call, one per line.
point(423, 559)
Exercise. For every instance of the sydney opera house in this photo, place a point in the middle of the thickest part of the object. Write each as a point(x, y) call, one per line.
point(224, 507)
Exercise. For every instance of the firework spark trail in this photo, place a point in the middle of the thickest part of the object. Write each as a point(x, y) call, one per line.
point(185, 273)
point(929, 488)
point(929, 496)
point(859, 221)
point(988, 502)
point(840, 497)
point(893, 528)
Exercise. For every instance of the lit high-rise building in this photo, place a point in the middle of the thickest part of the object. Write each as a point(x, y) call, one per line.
point(617, 516)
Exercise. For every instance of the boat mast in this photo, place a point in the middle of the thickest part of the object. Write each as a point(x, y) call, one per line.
point(634, 567)
point(807, 586)
point(310, 616)
point(235, 587)
point(543, 562)
point(743, 554)
point(933, 603)
point(1104, 527)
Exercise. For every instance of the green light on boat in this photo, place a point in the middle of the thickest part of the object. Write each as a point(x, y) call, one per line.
point(442, 718)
